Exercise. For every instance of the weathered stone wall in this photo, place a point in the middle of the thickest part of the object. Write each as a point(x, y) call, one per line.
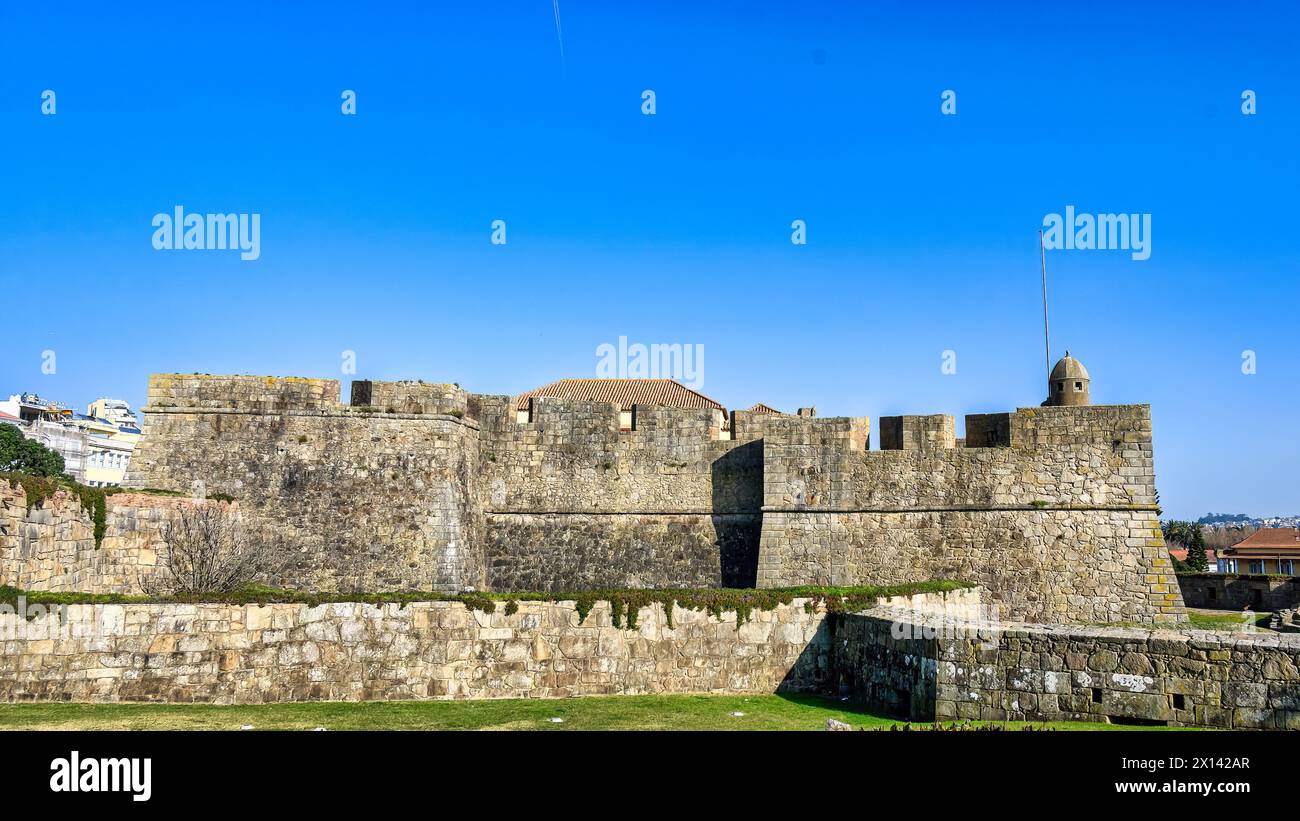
point(250, 393)
point(573, 502)
point(409, 397)
point(1059, 523)
point(225, 654)
point(373, 500)
point(584, 551)
point(1232, 591)
point(433, 650)
point(51, 546)
point(954, 669)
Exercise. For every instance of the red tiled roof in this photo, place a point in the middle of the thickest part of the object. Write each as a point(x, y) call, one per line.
point(1180, 553)
point(759, 407)
point(6, 417)
point(1269, 539)
point(623, 392)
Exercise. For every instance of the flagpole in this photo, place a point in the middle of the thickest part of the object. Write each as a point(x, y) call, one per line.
point(1047, 343)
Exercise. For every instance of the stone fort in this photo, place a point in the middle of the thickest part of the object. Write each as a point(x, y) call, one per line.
point(413, 485)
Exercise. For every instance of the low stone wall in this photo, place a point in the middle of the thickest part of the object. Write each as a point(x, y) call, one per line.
point(1231, 591)
point(51, 546)
point(434, 650)
point(955, 669)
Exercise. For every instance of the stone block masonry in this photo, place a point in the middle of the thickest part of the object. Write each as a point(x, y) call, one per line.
point(953, 670)
point(1052, 509)
point(923, 657)
point(51, 545)
point(224, 654)
point(1233, 591)
point(375, 499)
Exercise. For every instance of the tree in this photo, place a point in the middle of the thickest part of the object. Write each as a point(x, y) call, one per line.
point(1188, 535)
point(18, 453)
point(210, 551)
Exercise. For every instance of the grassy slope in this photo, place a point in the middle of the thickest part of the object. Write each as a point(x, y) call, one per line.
point(1223, 620)
point(674, 712)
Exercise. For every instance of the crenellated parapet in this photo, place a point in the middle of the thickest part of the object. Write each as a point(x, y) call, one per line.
point(920, 433)
point(409, 397)
point(177, 391)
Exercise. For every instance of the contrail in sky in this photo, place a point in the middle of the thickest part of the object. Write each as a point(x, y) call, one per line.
point(559, 35)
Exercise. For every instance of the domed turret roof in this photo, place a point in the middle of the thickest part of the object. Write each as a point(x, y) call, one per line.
point(1069, 368)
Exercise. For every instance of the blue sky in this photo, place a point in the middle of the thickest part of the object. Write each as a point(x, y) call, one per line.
point(674, 228)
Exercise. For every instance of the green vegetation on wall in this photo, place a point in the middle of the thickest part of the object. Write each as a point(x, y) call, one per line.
point(23, 455)
point(94, 500)
point(624, 603)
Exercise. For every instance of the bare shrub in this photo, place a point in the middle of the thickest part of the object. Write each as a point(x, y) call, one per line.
point(209, 550)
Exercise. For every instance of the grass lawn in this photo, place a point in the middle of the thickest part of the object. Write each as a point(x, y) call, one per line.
point(1203, 619)
point(674, 712)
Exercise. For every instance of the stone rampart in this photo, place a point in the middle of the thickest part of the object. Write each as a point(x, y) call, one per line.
point(947, 669)
point(373, 500)
point(50, 545)
point(1235, 591)
point(1058, 519)
point(225, 653)
point(422, 486)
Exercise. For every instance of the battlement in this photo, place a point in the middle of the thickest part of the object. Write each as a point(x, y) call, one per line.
point(414, 397)
point(251, 393)
point(1068, 425)
point(935, 432)
point(1025, 428)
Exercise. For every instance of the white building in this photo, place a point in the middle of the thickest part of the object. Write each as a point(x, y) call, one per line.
point(96, 448)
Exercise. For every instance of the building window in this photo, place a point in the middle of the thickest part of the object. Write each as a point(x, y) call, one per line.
point(1286, 566)
point(1256, 565)
point(1078, 386)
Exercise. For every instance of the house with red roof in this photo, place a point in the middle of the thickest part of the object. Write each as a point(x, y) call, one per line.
point(1267, 550)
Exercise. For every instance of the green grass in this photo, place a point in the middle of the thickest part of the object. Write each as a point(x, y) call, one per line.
point(1223, 619)
point(672, 712)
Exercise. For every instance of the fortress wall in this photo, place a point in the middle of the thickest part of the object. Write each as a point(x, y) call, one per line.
point(1052, 508)
point(1049, 565)
point(228, 654)
point(237, 654)
point(1060, 525)
point(574, 503)
point(926, 669)
point(988, 430)
point(409, 397)
point(374, 501)
point(265, 393)
point(934, 432)
point(1236, 591)
point(1106, 463)
point(52, 545)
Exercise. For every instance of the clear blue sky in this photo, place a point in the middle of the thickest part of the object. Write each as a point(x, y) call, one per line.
point(673, 227)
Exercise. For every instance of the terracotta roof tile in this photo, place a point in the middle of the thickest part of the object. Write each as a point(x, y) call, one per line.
point(1269, 539)
point(623, 392)
point(1180, 553)
point(759, 407)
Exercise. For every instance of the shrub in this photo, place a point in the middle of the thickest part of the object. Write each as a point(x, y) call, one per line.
point(23, 455)
point(210, 551)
